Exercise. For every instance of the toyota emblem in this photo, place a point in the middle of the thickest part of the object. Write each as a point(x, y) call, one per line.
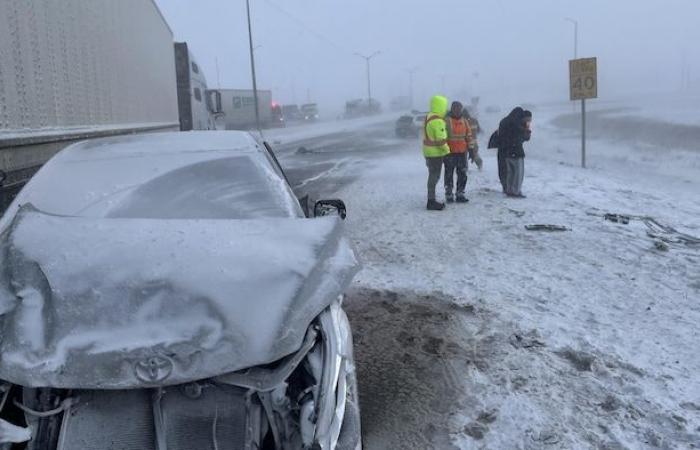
point(153, 369)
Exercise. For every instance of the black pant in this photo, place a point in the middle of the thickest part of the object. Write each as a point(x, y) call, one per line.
point(434, 166)
point(455, 162)
point(502, 170)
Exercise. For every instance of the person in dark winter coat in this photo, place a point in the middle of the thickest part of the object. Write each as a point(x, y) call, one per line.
point(513, 131)
point(503, 126)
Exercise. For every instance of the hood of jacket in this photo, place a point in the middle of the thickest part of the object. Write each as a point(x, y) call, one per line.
point(517, 113)
point(438, 105)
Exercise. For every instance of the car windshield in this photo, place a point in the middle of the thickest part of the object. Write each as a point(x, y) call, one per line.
point(227, 188)
point(195, 185)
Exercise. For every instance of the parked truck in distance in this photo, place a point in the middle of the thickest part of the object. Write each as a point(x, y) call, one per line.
point(310, 112)
point(362, 107)
point(292, 113)
point(238, 109)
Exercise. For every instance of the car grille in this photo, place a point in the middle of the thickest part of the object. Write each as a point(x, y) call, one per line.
point(213, 418)
point(109, 420)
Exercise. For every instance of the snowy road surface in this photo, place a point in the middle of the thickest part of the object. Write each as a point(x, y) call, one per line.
point(472, 332)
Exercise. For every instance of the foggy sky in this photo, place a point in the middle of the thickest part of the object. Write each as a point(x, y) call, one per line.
point(518, 48)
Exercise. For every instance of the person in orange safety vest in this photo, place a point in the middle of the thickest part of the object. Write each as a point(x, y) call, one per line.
point(459, 138)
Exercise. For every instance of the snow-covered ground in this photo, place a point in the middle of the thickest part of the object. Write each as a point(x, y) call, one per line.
point(302, 131)
point(473, 332)
point(677, 108)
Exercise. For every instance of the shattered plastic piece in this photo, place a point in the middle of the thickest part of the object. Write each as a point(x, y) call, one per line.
point(546, 227)
point(528, 340)
point(661, 246)
point(617, 218)
point(10, 433)
point(656, 230)
point(546, 437)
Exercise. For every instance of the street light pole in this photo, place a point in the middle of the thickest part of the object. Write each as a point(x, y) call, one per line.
point(252, 67)
point(583, 100)
point(218, 78)
point(575, 22)
point(369, 80)
point(410, 85)
point(583, 106)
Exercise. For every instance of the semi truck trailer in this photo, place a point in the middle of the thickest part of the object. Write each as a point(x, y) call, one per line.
point(73, 70)
point(238, 109)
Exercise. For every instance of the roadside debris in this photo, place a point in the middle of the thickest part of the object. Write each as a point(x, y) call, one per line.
point(661, 246)
point(617, 218)
point(546, 227)
point(476, 430)
point(10, 433)
point(662, 234)
point(516, 212)
point(526, 340)
point(547, 437)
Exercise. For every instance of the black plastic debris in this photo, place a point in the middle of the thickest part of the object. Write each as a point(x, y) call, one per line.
point(546, 227)
point(665, 235)
point(617, 218)
point(661, 246)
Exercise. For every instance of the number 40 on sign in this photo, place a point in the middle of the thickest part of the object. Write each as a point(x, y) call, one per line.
point(583, 77)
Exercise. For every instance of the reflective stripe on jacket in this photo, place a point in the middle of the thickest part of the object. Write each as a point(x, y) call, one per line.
point(435, 129)
point(458, 134)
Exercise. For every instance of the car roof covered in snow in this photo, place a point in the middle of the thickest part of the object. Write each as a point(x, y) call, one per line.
point(192, 175)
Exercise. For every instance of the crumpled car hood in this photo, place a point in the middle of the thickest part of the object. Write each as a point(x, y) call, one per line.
point(119, 303)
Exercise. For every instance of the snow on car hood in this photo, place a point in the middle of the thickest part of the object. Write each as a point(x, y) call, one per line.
point(116, 303)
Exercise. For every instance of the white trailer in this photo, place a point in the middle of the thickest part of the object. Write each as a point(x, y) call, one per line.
point(238, 109)
point(74, 69)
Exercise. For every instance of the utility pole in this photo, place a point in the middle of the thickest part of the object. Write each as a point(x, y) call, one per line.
point(575, 22)
point(369, 79)
point(252, 67)
point(583, 101)
point(218, 78)
point(410, 85)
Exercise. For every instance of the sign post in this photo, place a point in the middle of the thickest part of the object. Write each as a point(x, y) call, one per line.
point(583, 84)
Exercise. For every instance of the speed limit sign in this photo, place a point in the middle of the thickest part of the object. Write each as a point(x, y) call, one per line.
point(583, 78)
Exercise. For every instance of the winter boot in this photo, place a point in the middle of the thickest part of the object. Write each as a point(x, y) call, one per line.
point(434, 205)
point(462, 199)
point(449, 198)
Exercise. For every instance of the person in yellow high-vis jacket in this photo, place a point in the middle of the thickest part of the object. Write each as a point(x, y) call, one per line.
point(435, 147)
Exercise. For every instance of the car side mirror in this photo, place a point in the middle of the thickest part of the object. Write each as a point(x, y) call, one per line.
point(330, 207)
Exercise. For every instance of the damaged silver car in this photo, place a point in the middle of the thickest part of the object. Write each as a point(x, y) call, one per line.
point(166, 291)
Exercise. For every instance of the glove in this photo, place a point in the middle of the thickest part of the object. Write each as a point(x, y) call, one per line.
point(479, 162)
